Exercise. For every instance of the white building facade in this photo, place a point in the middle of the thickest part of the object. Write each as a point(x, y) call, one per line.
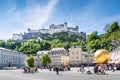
point(18, 36)
point(87, 58)
point(115, 55)
point(59, 57)
point(75, 55)
point(9, 58)
point(78, 57)
point(38, 57)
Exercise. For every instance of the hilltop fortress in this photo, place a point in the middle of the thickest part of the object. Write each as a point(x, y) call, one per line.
point(37, 34)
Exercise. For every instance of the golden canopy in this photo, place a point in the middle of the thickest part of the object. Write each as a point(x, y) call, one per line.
point(101, 56)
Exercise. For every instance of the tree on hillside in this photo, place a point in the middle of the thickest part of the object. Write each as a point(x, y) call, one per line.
point(45, 45)
point(74, 38)
point(29, 47)
point(91, 46)
point(63, 36)
point(114, 27)
point(91, 41)
point(92, 36)
point(46, 60)
point(66, 45)
point(2, 43)
point(106, 28)
point(98, 44)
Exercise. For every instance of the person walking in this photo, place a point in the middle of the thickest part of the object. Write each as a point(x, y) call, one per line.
point(57, 70)
point(82, 69)
point(96, 69)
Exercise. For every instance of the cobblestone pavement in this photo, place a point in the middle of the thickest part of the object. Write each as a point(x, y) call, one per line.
point(51, 75)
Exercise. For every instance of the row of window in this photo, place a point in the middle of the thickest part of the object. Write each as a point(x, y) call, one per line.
point(8, 56)
point(12, 57)
point(56, 59)
point(75, 52)
point(3, 61)
point(116, 60)
point(75, 57)
point(115, 53)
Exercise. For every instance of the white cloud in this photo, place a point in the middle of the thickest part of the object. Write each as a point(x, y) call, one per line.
point(37, 15)
point(33, 16)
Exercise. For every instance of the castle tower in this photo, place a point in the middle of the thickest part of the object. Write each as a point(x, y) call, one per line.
point(65, 24)
point(77, 28)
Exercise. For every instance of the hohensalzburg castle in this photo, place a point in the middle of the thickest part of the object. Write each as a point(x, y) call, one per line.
point(35, 34)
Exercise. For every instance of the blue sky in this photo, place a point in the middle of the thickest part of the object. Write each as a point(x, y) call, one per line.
point(90, 15)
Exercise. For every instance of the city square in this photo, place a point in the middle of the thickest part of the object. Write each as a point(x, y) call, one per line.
point(51, 75)
point(59, 39)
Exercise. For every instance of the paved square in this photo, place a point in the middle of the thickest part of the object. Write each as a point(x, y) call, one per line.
point(50, 75)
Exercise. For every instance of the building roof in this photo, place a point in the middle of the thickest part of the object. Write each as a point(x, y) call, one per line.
point(57, 49)
point(1, 48)
point(74, 47)
point(42, 52)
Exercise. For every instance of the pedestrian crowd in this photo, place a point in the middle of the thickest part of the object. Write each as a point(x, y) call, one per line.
point(30, 70)
point(97, 69)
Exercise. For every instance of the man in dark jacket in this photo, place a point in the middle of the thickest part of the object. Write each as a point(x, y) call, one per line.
point(57, 70)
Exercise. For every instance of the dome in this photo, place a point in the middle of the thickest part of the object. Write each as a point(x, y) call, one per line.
point(101, 56)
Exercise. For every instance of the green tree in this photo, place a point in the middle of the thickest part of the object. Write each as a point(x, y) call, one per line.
point(73, 37)
point(45, 45)
point(98, 44)
point(92, 42)
point(63, 36)
point(106, 28)
point(66, 45)
point(10, 44)
point(46, 60)
point(2, 43)
point(31, 46)
point(114, 27)
point(30, 61)
point(91, 46)
point(92, 36)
